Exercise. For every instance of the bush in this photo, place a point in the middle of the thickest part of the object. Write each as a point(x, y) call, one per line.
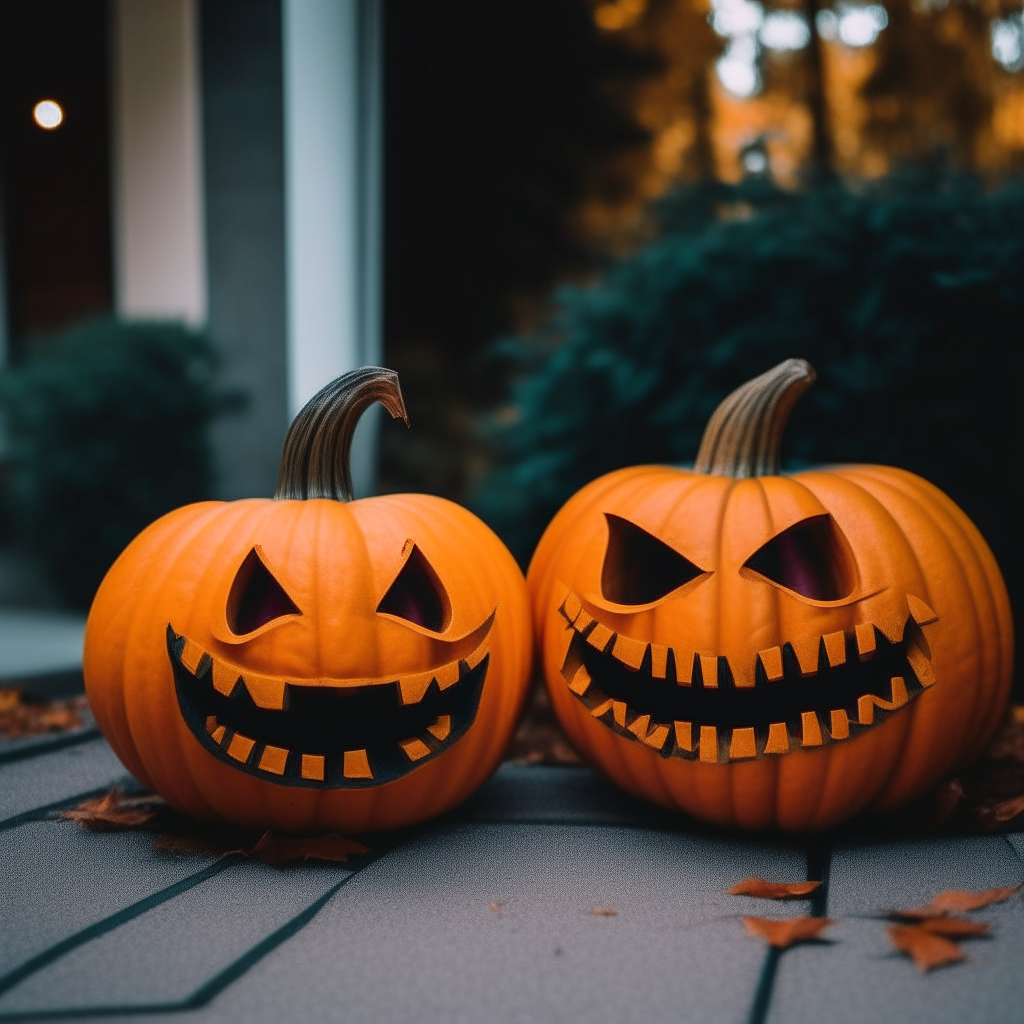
point(105, 430)
point(906, 294)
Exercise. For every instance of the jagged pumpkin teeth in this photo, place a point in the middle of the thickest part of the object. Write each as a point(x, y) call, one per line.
point(356, 765)
point(709, 744)
point(640, 725)
point(225, 678)
point(602, 709)
point(619, 713)
point(835, 648)
point(683, 662)
point(274, 759)
point(659, 661)
point(684, 735)
point(778, 739)
point(582, 621)
point(656, 737)
point(771, 661)
point(414, 749)
point(599, 636)
point(866, 642)
point(921, 665)
point(414, 687)
point(240, 747)
point(580, 682)
point(920, 612)
point(630, 652)
point(475, 658)
point(899, 692)
point(571, 607)
point(448, 675)
point(440, 727)
point(266, 691)
point(743, 743)
point(709, 670)
point(866, 709)
point(191, 655)
point(312, 766)
point(840, 727)
point(211, 724)
point(218, 734)
point(810, 729)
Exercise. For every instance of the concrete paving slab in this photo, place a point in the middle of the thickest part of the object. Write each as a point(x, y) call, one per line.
point(166, 954)
point(862, 978)
point(60, 878)
point(413, 936)
point(38, 781)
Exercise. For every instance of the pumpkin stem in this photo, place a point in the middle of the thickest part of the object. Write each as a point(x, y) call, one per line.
point(317, 447)
point(744, 435)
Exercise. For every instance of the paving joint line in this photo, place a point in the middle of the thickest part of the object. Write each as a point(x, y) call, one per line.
point(23, 753)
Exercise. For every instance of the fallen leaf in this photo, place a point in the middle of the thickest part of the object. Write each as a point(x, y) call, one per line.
point(19, 717)
point(604, 912)
point(926, 949)
point(281, 850)
point(773, 890)
point(497, 906)
point(113, 812)
point(782, 934)
point(955, 927)
point(999, 812)
point(955, 900)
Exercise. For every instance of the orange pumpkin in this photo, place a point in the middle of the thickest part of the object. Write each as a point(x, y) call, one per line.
point(763, 650)
point(310, 661)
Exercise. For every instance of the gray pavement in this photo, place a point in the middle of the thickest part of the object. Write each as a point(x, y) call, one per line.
point(102, 925)
point(41, 651)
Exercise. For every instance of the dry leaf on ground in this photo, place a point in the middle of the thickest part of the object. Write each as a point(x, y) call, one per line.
point(281, 850)
point(994, 814)
point(956, 901)
point(955, 927)
point(924, 947)
point(113, 811)
point(604, 912)
point(782, 934)
point(497, 906)
point(773, 890)
point(19, 717)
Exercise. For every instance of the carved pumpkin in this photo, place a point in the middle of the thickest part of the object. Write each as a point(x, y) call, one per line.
point(310, 661)
point(763, 650)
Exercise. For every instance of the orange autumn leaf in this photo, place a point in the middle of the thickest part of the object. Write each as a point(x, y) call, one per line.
point(604, 912)
point(955, 900)
point(782, 934)
point(954, 927)
point(19, 717)
point(924, 947)
point(281, 850)
point(773, 890)
point(112, 812)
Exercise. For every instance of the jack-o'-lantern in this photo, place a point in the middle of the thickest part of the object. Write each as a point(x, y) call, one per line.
point(311, 661)
point(765, 650)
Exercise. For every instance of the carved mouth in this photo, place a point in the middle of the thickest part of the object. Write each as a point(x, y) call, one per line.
point(320, 736)
point(694, 709)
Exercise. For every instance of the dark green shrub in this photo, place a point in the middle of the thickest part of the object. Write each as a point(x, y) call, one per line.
point(906, 294)
point(105, 430)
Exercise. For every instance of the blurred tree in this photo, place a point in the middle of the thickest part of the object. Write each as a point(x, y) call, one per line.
point(906, 294)
point(105, 429)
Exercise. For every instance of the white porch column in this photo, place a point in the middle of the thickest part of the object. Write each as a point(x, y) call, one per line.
point(333, 191)
point(159, 244)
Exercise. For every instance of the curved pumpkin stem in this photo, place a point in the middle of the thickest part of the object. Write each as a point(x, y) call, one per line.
point(317, 447)
point(744, 435)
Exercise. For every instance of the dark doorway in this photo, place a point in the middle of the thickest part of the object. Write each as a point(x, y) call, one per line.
point(56, 185)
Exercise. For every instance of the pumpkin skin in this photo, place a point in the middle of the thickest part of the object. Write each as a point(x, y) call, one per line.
point(778, 707)
point(311, 664)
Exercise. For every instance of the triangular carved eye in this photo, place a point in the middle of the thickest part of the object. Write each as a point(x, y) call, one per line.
point(811, 558)
point(256, 598)
point(638, 568)
point(418, 596)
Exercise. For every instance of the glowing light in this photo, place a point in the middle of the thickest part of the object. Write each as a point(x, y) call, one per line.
point(48, 114)
point(755, 160)
point(731, 18)
point(785, 30)
point(1007, 35)
point(860, 26)
point(737, 67)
